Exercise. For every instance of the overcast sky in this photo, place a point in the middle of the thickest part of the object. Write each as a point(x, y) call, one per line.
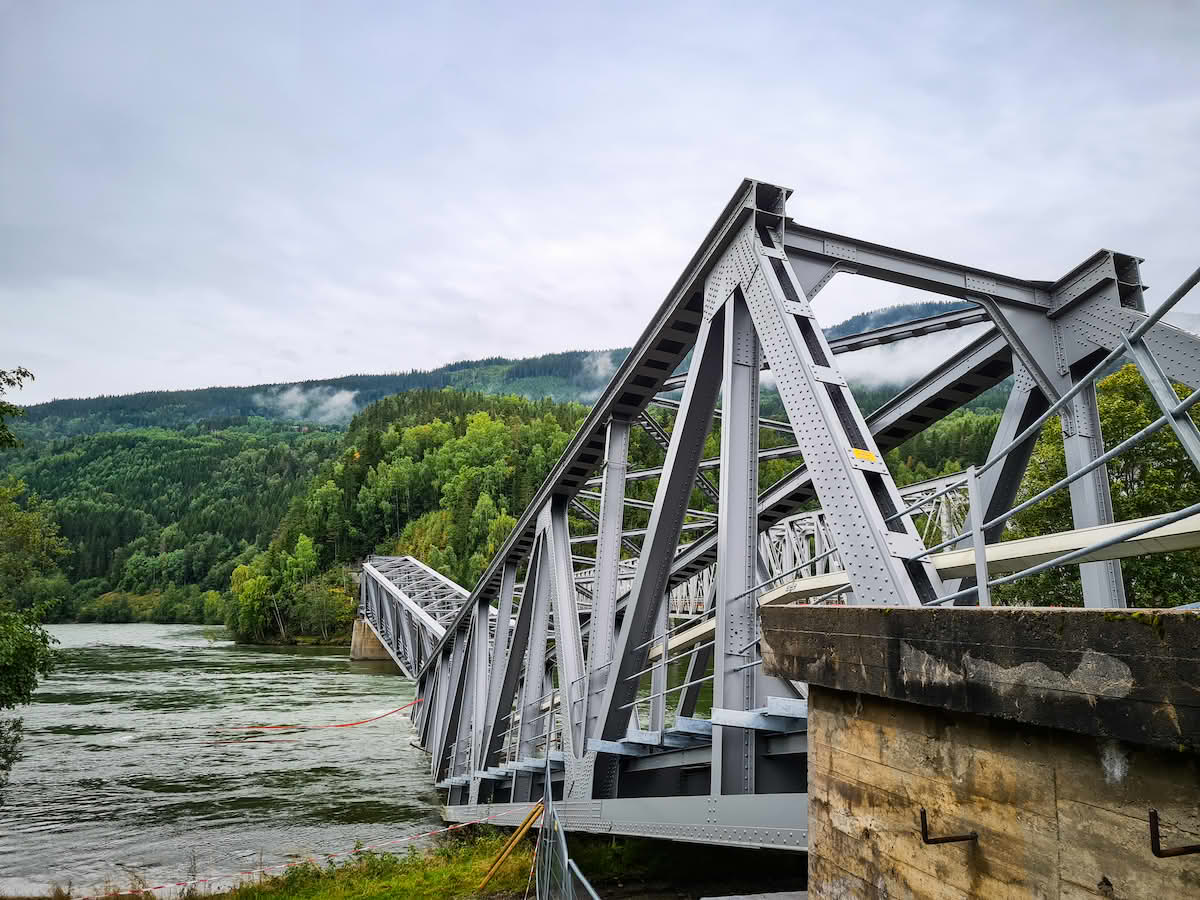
point(206, 193)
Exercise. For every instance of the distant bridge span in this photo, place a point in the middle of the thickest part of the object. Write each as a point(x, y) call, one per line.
point(671, 729)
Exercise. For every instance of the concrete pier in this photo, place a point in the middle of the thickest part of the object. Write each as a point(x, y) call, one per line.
point(1048, 733)
point(364, 644)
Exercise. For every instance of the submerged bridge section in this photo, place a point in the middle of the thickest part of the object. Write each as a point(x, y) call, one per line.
point(408, 606)
point(634, 626)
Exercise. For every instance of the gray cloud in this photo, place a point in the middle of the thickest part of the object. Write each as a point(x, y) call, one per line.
point(596, 369)
point(203, 192)
point(906, 361)
point(1186, 321)
point(598, 366)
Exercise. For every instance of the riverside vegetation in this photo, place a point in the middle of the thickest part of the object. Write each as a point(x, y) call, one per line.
point(456, 863)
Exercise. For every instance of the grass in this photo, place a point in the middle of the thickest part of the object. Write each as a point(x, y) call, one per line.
point(619, 868)
point(453, 868)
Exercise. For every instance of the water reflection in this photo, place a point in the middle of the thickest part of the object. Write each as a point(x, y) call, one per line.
point(120, 779)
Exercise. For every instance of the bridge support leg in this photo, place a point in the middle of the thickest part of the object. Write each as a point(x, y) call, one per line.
point(1091, 496)
point(733, 749)
point(453, 705)
point(601, 630)
point(658, 677)
point(479, 691)
point(533, 691)
point(568, 644)
point(498, 674)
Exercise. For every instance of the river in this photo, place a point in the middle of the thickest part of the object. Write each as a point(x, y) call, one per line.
point(122, 784)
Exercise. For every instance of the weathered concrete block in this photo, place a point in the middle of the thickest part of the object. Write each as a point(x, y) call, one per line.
point(1048, 732)
point(1057, 814)
point(1133, 675)
point(364, 644)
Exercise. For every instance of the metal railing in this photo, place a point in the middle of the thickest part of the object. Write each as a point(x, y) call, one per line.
point(558, 876)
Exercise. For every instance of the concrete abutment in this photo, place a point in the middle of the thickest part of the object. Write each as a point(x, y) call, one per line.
point(1049, 733)
point(364, 645)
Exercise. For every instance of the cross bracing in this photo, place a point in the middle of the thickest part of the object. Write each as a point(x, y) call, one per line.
point(408, 605)
point(635, 671)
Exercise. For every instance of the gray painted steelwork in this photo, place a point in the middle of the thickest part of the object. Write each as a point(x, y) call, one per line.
point(555, 667)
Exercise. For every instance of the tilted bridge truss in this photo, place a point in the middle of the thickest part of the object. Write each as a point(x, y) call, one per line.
point(623, 654)
point(409, 606)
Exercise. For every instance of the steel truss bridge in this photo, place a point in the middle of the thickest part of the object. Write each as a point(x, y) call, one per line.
point(644, 654)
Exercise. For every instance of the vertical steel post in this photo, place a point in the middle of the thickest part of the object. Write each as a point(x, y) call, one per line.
point(975, 517)
point(437, 710)
point(501, 718)
point(568, 643)
point(498, 671)
point(539, 600)
point(658, 676)
point(479, 691)
point(698, 663)
point(733, 749)
point(460, 759)
point(453, 703)
point(601, 630)
point(1091, 496)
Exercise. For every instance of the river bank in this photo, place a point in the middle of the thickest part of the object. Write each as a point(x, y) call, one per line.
point(451, 868)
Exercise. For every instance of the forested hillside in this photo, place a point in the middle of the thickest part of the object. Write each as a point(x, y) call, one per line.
point(572, 376)
point(152, 510)
point(440, 474)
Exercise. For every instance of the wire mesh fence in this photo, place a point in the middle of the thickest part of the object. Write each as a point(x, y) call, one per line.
point(558, 877)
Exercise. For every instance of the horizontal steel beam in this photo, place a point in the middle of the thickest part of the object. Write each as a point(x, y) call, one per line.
point(927, 273)
point(877, 337)
point(1006, 557)
point(705, 464)
point(643, 504)
point(637, 532)
point(778, 821)
point(769, 424)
